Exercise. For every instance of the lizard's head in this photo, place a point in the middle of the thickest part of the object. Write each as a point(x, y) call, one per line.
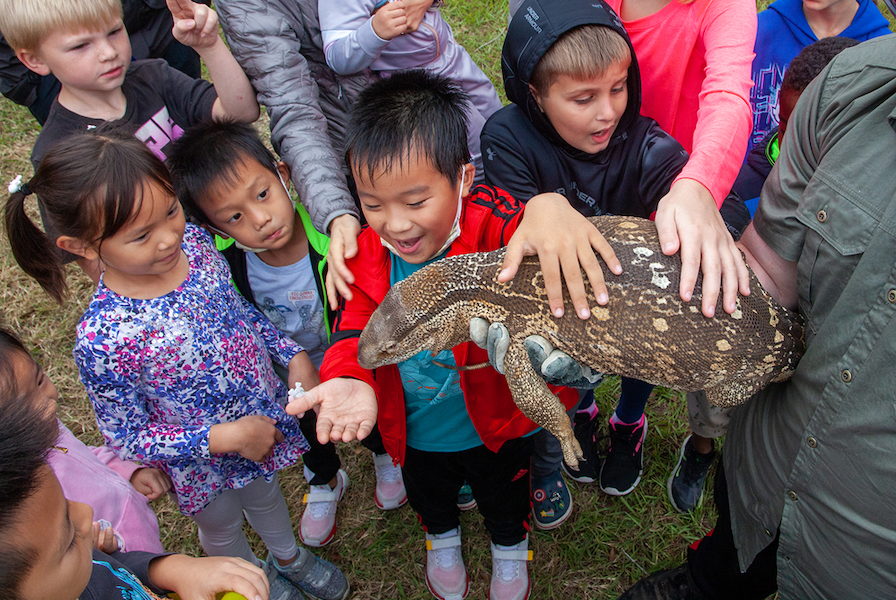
point(426, 311)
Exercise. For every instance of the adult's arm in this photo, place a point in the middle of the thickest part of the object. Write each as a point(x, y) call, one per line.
point(266, 40)
point(775, 238)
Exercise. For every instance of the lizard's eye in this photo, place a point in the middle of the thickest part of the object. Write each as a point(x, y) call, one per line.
point(389, 346)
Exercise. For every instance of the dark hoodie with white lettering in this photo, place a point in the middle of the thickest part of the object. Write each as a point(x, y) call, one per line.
point(523, 153)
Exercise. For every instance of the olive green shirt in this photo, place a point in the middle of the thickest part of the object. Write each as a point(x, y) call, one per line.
point(816, 456)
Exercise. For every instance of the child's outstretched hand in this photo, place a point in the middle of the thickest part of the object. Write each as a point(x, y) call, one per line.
point(151, 482)
point(195, 25)
point(201, 578)
point(390, 21)
point(346, 409)
point(564, 240)
point(252, 437)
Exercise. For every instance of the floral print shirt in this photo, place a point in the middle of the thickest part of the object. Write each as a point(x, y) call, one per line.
point(160, 372)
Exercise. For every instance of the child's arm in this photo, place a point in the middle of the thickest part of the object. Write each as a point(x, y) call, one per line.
point(564, 241)
point(355, 35)
point(149, 481)
point(110, 369)
point(507, 167)
point(196, 25)
point(685, 217)
point(202, 578)
point(350, 32)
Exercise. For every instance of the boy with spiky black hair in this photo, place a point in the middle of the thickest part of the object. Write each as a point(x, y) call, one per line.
point(406, 145)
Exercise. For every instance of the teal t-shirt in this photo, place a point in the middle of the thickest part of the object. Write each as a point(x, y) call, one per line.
point(437, 419)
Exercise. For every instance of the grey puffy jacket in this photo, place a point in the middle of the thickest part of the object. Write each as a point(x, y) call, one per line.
point(278, 44)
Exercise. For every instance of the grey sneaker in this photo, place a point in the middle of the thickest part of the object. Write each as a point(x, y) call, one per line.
point(314, 576)
point(685, 484)
point(281, 589)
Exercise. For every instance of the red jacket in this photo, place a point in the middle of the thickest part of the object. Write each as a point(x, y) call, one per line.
point(489, 218)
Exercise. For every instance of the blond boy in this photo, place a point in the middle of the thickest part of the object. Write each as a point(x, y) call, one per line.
point(84, 44)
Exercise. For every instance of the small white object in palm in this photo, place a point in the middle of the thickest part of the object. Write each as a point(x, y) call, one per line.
point(297, 392)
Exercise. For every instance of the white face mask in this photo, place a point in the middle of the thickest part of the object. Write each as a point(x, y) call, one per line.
point(452, 235)
point(247, 248)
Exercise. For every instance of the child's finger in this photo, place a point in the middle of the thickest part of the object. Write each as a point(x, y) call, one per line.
point(255, 579)
point(302, 404)
point(278, 436)
point(210, 23)
point(605, 250)
point(513, 256)
point(729, 278)
point(184, 26)
point(595, 276)
point(180, 8)
point(553, 285)
point(575, 285)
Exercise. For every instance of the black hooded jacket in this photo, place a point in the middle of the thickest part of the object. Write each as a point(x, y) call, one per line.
point(523, 153)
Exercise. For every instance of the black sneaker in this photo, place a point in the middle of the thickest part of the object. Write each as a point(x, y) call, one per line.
point(585, 429)
point(685, 485)
point(621, 471)
point(671, 584)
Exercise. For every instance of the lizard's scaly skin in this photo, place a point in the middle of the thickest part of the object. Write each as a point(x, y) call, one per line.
point(646, 331)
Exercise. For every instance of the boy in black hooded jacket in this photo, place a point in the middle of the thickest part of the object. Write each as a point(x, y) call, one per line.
point(574, 127)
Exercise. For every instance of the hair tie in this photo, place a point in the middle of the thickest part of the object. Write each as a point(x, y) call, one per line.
point(16, 185)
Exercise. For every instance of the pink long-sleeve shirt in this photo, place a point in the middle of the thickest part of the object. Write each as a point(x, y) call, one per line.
point(95, 476)
point(695, 62)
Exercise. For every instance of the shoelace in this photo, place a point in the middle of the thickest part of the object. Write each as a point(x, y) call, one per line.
point(320, 510)
point(507, 570)
point(388, 473)
point(446, 558)
point(628, 444)
point(693, 469)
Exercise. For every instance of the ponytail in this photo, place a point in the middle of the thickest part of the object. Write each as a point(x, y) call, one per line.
point(32, 249)
point(88, 187)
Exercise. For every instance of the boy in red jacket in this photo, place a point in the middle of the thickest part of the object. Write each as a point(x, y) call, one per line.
point(406, 144)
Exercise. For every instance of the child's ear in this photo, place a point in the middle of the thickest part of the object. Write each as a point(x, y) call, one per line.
point(536, 96)
point(30, 59)
point(467, 181)
point(77, 247)
point(283, 169)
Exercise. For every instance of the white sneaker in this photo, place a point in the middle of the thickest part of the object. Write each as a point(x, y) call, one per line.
point(390, 492)
point(510, 572)
point(446, 575)
point(318, 525)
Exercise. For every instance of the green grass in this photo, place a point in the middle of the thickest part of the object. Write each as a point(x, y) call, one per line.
point(608, 542)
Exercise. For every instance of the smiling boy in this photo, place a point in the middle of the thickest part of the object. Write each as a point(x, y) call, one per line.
point(406, 145)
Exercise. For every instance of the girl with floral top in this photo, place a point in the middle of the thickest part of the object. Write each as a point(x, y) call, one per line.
point(176, 363)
